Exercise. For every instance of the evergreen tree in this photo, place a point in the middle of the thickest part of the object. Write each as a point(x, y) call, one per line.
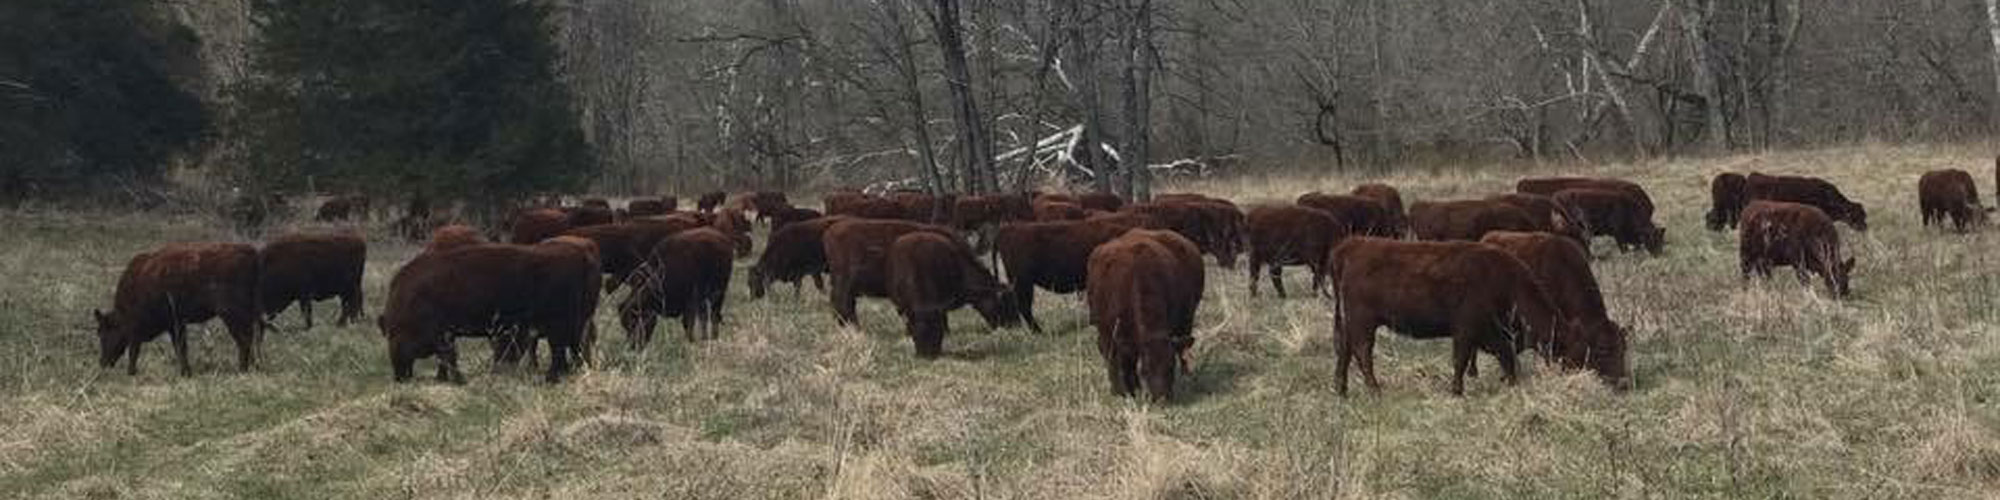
point(432, 99)
point(88, 93)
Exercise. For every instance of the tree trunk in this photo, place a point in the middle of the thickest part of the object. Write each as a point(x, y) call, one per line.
point(977, 147)
point(1993, 32)
point(1138, 101)
point(1083, 71)
point(1694, 23)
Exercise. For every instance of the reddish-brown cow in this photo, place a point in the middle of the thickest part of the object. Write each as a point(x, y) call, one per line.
point(857, 257)
point(931, 274)
point(1050, 211)
point(1389, 197)
point(1564, 270)
point(1776, 233)
point(453, 236)
point(1144, 289)
point(1282, 235)
point(537, 224)
point(733, 224)
point(309, 267)
point(548, 287)
point(1359, 215)
point(1548, 186)
point(1467, 220)
point(794, 252)
point(1055, 256)
point(1810, 191)
point(624, 246)
point(1549, 217)
point(1950, 193)
point(1617, 214)
point(164, 290)
point(1727, 194)
point(687, 276)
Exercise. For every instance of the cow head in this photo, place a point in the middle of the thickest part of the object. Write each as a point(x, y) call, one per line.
point(1655, 240)
point(998, 307)
point(1159, 361)
point(758, 280)
point(111, 339)
point(1840, 276)
point(1605, 346)
point(1855, 215)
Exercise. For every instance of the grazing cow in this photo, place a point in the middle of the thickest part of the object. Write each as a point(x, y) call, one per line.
point(453, 236)
point(732, 223)
point(549, 287)
point(1145, 287)
point(1810, 191)
point(338, 208)
point(1563, 267)
point(1282, 235)
point(687, 276)
point(536, 224)
point(1776, 233)
point(1359, 215)
point(648, 208)
point(1950, 193)
point(1467, 220)
point(624, 246)
point(929, 275)
point(305, 268)
point(1549, 216)
point(710, 200)
point(179, 283)
point(1389, 197)
point(1100, 201)
point(1726, 195)
point(590, 215)
point(1616, 214)
point(1214, 225)
point(1477, 294)
point(794, 251)
point(857, 256)
point(1548, 186)
point(1049, 211)
point(1055, 256)
point(790, 215)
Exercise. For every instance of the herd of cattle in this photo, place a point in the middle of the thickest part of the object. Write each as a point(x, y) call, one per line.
point(1501, 274)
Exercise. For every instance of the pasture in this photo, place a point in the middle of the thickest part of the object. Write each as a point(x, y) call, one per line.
point(1753, 389)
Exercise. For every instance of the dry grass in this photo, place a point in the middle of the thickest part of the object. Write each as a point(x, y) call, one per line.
point(1759, 389)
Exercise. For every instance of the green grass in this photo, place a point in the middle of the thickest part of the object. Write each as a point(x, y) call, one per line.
point(1744, 389)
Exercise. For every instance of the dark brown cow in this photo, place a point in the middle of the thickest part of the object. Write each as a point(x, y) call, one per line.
point(1617, 214)
point(710, 200)
point(1100, 201)
point(1145, 287)
point(767, 203)
point(1055, 256)
point(624, 246)
point(536, 224)
point(1216, 226)
point(347, 207)
point(1564, 270)
point(1776, 233)
point(590, 215)
point(1359, 215)
point(1467, 220)
point(164, 290)
point(1727, 194)
point(1282, 235)
point(1389, 197)
point(453, 236)
point(931, 274)
point(1548, 186)
point(1549, 217)
point(647, 208)
point(1474, 293)
point(790, 215)
point(795, 251)
point(550, 288)
point(304, 268)
point(1950, 193)
point(687, 276)
point(732, 223)
point(857, 258)
point(1050, 211)
point(1810, 191)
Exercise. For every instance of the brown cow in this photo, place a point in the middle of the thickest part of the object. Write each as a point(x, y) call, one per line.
point(732, 223)
point(309, 267)
point(1055, 256)
point(687, 276)
point(1950, 193)
point(857, 257)
point(624, 246)
point(929, 275)
point(1776, 233)
point(648, 208)
point(1358, 215)
point(864, 206)
point(1282, 235)
point(980, 215)
point(1548, 186)
point(916, 206)
point(794, 252)
point(1617, 214)
point(347, 207)
point(1474, 293)
point(1467, 220)
point(453, 236)
point(710, 200)
point(589, 215)
point(548, 287)
point(537, 224)
point(1389, 197)
point(790, 215)
point(1216, 226)
point(179, 283)
point(1050, 211)
point(1100, 201)
point(1810, 191)
point(1145, 287)
point(1564, 270)
point(1726, 195)
point(767, 203)
point(1549, 217)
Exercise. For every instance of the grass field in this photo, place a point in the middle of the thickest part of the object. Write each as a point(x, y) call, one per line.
point(1744, 390)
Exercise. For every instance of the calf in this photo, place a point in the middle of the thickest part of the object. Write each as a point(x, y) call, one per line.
point(1726, 196)
point(1775, 233)
point(1145, 287)
point(549, 287)
point(1359, 215)
point(1950, 193)
point(164, 290)
point(1467, 220)
point(1613, 213)
point(1055, 256)
point(1474, 293)
point(929, 275)
point(453, 236)
point(793, 252)
point(1810, 191)
point(536, 224)
point(624, 246)
point(1282, 235)
point(305, 268)
point(1563, 268)
point(687, 276)
point(856, 255)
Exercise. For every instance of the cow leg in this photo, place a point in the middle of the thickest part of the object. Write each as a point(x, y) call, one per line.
point(1278, 279)
point(243, 329)
point(1256, 269)
point(1024, 296)
point(927, 332)
point(1509, 359)
point(447, 354)
point(689, 314)
point(560, 350)
point(843, 303)
point(1461, 358)
point(306, 311)
point(1107, 349)
point(350, 307)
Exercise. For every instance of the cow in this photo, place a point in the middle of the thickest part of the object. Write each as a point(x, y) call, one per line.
point(1563, 267)
point(980, 215)
point(339, 208)
point(1145, 287)
point(931, 274)
point(652, 207)
point(790, 215)
point(1055, 256)
point(164, 290)
point(1466, 220)
point(1050, 211)
point(792, 253)
point(1602, 212)
point(304, 268)
point(864, 206)
point(1282, 235)
point(1476, 294)
point(453, 236)
point(1950, 193)
point(1776, 233)
point(710, 200)
point(767, 203)
point(590, 215)
point(549, 287)
point(917, 206)
point(1389, 197)
point(1214, 225)
point(1727, 194)
point(536, 224)
point(622, 247)
point(686, 276)
point(856, 256)
point(1359, 215)
point(732, 223)
point(1549, 216)
point(1548, 186)
point(1100, 201)
point(1810, 191)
